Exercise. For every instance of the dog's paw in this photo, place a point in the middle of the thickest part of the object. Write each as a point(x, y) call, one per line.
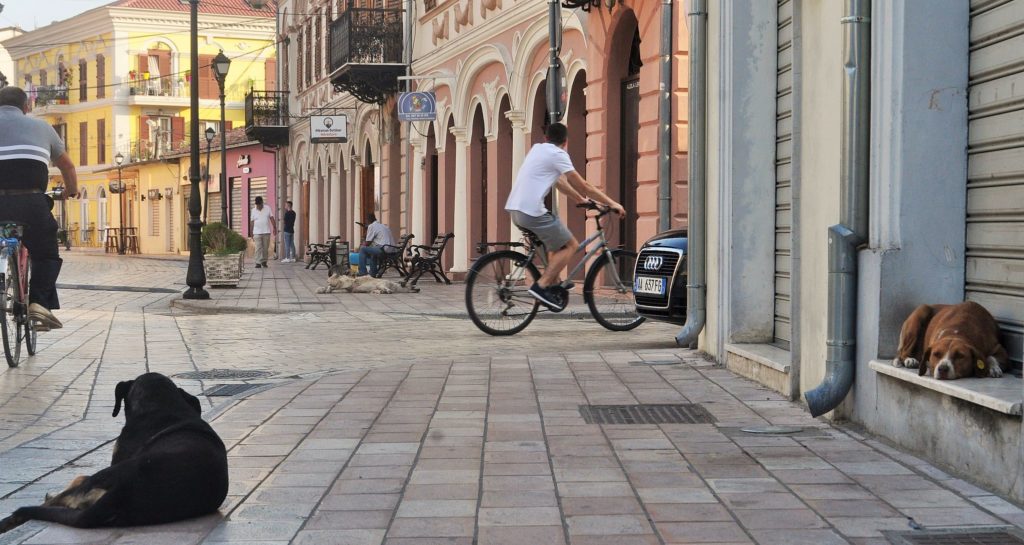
point(911, 363)
point(994, 369)
point(321, 290)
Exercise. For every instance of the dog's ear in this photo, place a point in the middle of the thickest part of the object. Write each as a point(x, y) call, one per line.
point(922, 366)
point(120, 393)
point(192, 400)
point(979, 363)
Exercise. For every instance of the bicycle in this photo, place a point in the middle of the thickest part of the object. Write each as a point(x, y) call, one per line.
point(16, 328)
point(497, 285)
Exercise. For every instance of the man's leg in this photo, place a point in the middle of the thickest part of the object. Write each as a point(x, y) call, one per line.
point(289, 246)
point(557, 262)
point(374, 254)
point(364, 254)
point(265, 244)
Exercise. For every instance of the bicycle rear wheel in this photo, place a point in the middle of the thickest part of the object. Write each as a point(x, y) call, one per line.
point(608, 291)
point(27, 329)
point(497, 297)
point(9, 327)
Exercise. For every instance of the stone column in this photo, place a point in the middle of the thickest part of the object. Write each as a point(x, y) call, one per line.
point(314, 206)
point(335, 227)
point(461, 242)
point(419, 203)
point(518, 120)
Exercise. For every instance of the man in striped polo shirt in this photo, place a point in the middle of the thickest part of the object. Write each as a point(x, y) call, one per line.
point(27, 147)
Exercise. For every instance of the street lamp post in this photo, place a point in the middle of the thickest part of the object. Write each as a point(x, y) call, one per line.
point(210, 133)
point(196, 276)
point(119, 160)
point(221, 63)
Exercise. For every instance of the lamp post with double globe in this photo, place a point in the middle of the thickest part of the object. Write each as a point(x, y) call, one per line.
point(196, 276)
point(210, 133)
point(119, 161)
point(221, 64)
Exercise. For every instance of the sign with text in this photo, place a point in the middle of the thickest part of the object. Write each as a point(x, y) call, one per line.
point(417, 106)
point(328, 129)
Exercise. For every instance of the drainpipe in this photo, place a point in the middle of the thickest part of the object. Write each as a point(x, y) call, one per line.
point(409, 6)
point(851, 233)
point(696, 265)
point(665, 114)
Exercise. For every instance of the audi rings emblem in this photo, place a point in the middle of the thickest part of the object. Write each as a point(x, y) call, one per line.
point(653, 262)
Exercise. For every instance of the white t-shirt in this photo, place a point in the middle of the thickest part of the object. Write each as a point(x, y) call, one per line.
point(260, 220)
point(541, 169)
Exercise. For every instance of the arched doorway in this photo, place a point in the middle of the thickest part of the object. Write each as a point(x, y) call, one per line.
point(576, 120)
point(367, 185)
point(478, 198)
point(501, 182)
point(623, 77)
point(430, 189)
point(394, 161)
point(340, 192)
point(539, 126)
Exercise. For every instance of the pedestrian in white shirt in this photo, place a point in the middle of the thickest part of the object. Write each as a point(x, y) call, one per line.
point(261, 227)
point(378, 235)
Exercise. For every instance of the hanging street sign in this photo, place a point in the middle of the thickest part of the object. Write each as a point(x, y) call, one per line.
point(417, 106)
point(328, 129)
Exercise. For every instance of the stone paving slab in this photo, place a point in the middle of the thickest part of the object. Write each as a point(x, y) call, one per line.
point(493, 450)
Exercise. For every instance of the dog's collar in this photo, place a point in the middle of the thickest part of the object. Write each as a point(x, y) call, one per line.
point(184, 426)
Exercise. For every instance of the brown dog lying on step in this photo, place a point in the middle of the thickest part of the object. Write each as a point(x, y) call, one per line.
point(364, 284)
point(168, 465)
point(951, 341)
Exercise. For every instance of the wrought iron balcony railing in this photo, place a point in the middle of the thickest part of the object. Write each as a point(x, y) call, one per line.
point(367, 52)
point(48, 95)
point(266, 116)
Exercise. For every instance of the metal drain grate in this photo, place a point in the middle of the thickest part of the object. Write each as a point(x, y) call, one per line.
point(958, 536)
point(228, 390)
point(223, 374)
point(682, 413)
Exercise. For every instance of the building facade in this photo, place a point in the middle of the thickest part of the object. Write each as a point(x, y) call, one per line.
point(945, 208)
point(486, 62)
point(109, 83)
point(6, 62)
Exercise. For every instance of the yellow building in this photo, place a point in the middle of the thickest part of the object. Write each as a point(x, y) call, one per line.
point(116, 79)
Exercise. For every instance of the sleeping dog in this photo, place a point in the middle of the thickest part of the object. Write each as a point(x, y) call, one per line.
point(364, 284)
point(168, 465)
point(952, 341)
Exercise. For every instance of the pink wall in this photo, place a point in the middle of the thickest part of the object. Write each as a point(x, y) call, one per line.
point(261, 165)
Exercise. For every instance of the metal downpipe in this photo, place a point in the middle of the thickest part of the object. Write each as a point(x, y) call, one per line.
point(665, 115)
point(554, 79)
point(851, 233)
point(696, 262)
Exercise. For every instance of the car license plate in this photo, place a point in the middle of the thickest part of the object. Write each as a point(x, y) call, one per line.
point(649, 285)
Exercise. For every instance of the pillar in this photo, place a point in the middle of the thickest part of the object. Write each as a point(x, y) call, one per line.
point(334, 226)
point(518, 120)
point(419, 201)
point(461, 242)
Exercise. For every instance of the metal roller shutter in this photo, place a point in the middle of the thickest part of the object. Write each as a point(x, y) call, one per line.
point(995, 166)
point(784, 175)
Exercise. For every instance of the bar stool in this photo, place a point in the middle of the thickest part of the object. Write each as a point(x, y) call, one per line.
point(113, 244)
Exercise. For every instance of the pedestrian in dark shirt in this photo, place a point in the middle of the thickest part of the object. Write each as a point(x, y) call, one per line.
point(289, 234)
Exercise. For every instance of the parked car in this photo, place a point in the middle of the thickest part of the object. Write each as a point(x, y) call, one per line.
point(659, 281)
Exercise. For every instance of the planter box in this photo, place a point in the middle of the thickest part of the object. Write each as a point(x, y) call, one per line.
point(223, 270)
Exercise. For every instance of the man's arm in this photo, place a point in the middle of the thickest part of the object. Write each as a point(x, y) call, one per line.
point(564, 186)
point(252, 225)
point(587, 189)
point(273, 225)
point(70, 175)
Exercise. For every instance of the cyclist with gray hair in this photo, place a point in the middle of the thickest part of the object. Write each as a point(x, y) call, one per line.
point(27, 148)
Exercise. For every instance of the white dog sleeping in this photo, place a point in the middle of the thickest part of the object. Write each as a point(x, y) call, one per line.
point(364, 284)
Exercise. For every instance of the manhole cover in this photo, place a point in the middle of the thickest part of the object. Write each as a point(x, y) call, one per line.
point(223, 374)
point(228, 390)
point(958, 536)
point(682, 413)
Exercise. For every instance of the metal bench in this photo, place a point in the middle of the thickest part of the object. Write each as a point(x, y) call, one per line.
point(394, 257)
point(321, 253)
point(428, 259)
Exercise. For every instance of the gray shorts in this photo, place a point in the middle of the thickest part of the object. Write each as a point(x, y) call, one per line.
point(548, 229)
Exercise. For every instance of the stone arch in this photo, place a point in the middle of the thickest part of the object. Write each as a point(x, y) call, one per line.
point(621, 104)
point(534, 39)
point(576, 121)
point(475, 64)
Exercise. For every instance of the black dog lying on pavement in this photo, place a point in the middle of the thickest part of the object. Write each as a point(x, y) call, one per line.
point(168, 465)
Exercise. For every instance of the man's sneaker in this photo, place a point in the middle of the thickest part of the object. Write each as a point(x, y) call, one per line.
point(259, 265)
point(544, 296)
point(39, 313)
point(40, 327)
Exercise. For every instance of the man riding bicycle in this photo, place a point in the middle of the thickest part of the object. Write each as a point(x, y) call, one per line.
point(27, 147)
point(545, 166)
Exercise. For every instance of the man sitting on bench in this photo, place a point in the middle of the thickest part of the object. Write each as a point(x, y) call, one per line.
point(378, 235)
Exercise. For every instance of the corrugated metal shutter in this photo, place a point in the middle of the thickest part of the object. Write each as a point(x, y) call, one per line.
point(784, 175)
point(238, 208)
point(995, 166)
point(258, 188)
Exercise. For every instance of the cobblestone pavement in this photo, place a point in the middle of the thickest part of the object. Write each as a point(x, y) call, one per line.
point(435, 433)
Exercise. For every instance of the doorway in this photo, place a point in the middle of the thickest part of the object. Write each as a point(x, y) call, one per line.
point(630, 155)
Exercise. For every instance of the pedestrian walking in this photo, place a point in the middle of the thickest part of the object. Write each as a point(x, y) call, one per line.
point(289, 233)
point(261, 227)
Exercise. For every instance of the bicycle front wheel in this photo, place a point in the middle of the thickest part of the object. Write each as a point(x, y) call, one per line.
point(608, 291)
point(9, 327)
point(497, 293)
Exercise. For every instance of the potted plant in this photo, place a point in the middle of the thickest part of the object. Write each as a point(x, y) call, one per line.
point(224, 256)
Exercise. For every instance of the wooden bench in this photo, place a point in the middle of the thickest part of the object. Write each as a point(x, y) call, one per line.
point(321, 253)
point(394, 257)
point(428, 259)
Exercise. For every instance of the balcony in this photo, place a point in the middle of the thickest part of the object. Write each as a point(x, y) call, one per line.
point(50, 98)
point(158, 92)
point(367, 52)
point(147, 150)
point(266, 117)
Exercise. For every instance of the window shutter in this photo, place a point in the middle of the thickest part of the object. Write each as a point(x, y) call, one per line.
point(83, 143)
point(270, 75)
point(83, 81)
point(143, 127)
point(101, 76)
point(227, 125)
point(101, 141)
point(143, 64)
point(207, 83)
point(177, 131)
